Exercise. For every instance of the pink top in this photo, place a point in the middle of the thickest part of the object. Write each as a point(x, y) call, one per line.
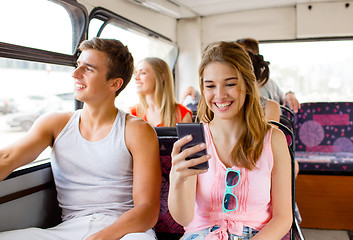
point(253, 193)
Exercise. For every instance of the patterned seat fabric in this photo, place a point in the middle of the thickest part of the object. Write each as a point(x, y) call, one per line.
point(166, 223)
point(324, 137)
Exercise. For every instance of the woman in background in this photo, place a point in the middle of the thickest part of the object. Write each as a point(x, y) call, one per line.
point(155, 87)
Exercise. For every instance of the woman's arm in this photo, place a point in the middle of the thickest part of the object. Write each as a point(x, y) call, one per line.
point(272, 110)
point(182, 191)
point(281, 220)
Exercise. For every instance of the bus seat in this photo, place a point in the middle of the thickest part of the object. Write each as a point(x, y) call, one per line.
point(325, 137)
point(287, 117)
point(324, 151)
point(28, 198)
point(295, 232)
point(166, 227)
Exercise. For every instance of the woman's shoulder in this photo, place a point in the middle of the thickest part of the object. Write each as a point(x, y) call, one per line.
point(133, 110)
point(185, 114)
point(183, 109)
point(278, 138)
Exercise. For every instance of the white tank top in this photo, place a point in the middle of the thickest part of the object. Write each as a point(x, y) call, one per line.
point(92, 177)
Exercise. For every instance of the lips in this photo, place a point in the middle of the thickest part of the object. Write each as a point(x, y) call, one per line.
point(79, 86)
point(222, 105)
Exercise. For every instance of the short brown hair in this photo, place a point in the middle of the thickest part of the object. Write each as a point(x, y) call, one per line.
point(249, 44)
point(120, 61)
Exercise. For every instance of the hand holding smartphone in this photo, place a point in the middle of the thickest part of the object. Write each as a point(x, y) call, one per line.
point(198, 137)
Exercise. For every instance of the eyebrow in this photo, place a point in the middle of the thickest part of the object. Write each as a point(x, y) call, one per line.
point(87, 64)
point(227, 79)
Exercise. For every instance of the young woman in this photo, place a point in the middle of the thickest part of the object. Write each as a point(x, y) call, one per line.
point(262, 72)
point(246, 192)
point(155, 86)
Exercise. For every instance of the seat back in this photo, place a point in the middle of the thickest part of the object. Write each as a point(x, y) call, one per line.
point(295, 232)
point(166, 227)
point(325, 127)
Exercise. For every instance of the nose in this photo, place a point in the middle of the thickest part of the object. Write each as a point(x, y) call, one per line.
point(221, 92)
point(76, 73)
point(137, 76)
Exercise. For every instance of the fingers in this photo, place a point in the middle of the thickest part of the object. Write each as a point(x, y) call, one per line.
point(292, 101)
point(181, 166)
point(294, 105)
point(179, 155)
point(189, 91)
point(178, 144)
point(182, 169)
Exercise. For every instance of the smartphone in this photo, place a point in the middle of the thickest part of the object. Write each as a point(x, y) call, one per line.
point(198, 137)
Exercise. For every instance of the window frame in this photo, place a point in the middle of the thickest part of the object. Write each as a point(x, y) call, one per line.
point(108, 17)
point(12, 51)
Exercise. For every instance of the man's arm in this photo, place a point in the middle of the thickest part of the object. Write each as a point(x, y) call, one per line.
point(286, 99)
point(190, 91)
point(28, 148)
point(291, 100)
point(142, 142)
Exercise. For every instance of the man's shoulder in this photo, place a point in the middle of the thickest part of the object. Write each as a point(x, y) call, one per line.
point(57, 116)
point(54, 121)
point(137, 127)
point(134, 122)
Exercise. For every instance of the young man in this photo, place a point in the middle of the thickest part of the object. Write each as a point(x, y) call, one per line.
point(105, 162)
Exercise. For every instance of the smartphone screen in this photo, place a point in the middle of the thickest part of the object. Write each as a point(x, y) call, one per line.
point(198, 137)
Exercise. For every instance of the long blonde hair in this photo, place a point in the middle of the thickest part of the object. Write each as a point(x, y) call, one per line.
point(248, 148)
point(163, 93)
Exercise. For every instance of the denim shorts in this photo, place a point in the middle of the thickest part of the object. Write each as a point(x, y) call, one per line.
point(248, 233)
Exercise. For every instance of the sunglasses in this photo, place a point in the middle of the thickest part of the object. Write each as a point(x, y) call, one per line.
point(230, 201)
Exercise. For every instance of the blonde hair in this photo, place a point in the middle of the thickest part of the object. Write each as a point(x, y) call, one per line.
point(163, 93)
point(248, 148)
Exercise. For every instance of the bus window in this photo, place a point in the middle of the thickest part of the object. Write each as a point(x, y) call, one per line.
point(50, 30)
point(28, 90)
point(36, 61)
point(317, 71)
point(141, 43)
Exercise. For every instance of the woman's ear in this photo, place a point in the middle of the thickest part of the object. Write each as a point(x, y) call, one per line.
point(116, 84)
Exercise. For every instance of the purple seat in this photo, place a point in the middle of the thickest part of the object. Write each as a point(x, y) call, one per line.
point(166, 227)
point(324, 137)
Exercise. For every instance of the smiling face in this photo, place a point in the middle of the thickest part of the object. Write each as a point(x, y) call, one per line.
point(224, 90)
point(91, 76)
point(145, 78)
